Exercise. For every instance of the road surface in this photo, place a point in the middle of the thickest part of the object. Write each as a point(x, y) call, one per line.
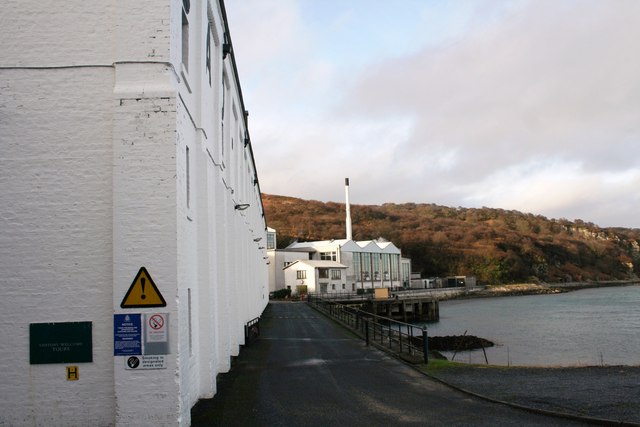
point(305, 370)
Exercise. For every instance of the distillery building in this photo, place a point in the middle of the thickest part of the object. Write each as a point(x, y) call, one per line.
point(337, 266)
point(131, 219)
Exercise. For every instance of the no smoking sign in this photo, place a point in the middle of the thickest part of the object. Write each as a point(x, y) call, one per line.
point(156, 330)
point(156, 322)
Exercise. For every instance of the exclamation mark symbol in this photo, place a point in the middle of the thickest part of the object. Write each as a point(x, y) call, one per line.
point(142, 283)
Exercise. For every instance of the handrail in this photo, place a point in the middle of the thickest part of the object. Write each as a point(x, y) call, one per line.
point(391, 335)
point(252, 330)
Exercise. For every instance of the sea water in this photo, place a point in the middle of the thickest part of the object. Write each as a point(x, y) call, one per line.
point(588, 327)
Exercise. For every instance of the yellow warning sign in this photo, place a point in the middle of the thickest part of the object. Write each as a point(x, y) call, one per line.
point(72, 373)
point(143, 292)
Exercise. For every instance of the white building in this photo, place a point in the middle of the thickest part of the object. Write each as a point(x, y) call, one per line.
point(369, 264)
point(281, 258)
point(131, 217)
point(304, 276)
point(361, 264)
point(358, 265)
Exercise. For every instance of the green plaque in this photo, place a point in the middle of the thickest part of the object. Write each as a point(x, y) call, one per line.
point(64, 342)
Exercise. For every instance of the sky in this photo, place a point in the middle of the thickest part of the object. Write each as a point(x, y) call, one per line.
point(520, 105)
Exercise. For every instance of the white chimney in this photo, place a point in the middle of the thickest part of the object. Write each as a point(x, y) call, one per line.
point(346, 195)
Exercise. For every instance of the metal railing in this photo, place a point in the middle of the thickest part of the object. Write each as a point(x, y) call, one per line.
point(403, 339)
point(360, 294)
point(252, 330)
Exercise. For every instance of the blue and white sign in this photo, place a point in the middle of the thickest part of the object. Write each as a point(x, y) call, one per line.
point(127, 334)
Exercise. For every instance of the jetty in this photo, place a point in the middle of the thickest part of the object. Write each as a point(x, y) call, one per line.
point(412, 309)
point(404, 306)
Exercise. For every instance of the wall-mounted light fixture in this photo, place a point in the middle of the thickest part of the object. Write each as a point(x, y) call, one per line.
point(242, 206)
point(257, 239)
point(226, 50)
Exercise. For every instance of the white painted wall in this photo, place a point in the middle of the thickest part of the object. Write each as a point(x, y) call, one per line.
point(56, 244)
point(277, 261)
point(312, 276)
point(96, 114)
point(291, 279)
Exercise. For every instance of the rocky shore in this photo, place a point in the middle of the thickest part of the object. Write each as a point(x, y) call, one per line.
point(536, 289)
point(517, 289)
point(458, 343)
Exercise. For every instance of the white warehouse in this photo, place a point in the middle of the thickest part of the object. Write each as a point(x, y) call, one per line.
point(131, 214)
point(341, 266)
point(337, 266)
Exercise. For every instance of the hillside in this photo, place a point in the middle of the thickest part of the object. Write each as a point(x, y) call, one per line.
point(495, 245)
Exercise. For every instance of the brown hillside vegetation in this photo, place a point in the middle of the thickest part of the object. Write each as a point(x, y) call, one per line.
point(495, 245)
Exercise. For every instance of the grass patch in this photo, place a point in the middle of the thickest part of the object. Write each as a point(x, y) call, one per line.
point(437, 365)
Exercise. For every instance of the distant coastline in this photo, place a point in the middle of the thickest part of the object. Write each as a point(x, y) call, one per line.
point(538, 289)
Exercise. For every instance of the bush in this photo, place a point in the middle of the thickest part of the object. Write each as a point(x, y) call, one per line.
point(281, 294)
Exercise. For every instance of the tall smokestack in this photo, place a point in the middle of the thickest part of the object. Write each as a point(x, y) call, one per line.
point(346, 196)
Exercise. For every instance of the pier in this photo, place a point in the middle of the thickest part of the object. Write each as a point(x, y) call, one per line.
point(404, 306)
point(418, 309)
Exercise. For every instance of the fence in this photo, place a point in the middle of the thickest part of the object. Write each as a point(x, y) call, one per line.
point(407, 341)
point(252, 331)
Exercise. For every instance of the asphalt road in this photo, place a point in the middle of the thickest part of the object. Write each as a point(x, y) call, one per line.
point(307, 371)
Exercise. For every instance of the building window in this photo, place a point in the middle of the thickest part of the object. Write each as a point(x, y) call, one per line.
point(185, 35)
point(323, 273)
point(328, 256)
point(286, 264)
point(271, 241)
point(301, 274)
point(333, 286)
point(336, 274)
point(208, 59)
point(234, 130)
point(223, 105)
point(190, 325)
point(375, 259)
point(188, 173)
point(344, 286)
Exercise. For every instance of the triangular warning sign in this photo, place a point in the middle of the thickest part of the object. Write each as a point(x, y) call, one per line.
point(143, 292)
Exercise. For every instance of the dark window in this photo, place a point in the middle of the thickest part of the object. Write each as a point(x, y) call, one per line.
point(185, 39)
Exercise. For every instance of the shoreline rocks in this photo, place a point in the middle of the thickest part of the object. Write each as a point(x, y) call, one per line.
point(520, 289)
point(458, 343)
point(491, 291)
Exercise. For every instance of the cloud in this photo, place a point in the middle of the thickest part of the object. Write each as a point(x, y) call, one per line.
point(528, 105)
point(262, 32)
point(554, 82)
